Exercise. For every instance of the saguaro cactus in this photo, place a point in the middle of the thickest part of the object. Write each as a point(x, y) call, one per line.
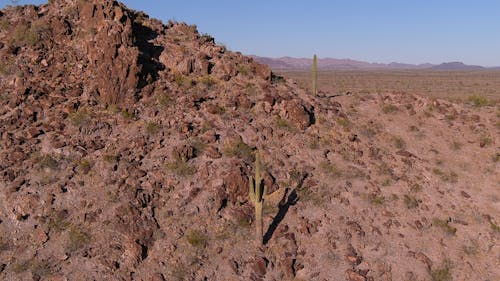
point(315, 75)
point(257, 191)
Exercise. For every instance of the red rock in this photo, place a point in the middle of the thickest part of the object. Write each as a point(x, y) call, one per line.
point(213, 152)
point(263, 71)
point(354, 276)
point(236, 184)
point(39, 236)
point(297, 114)
point(259, 266)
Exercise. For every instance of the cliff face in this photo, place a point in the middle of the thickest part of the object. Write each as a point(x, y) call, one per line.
point(126, 146)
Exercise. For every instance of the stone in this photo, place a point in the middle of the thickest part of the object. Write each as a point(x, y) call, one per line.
point(297, 114)
point(39, 236)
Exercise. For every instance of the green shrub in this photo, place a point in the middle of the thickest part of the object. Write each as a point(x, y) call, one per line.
point(377, 199)
point(285, 125)
point(442, 273)
point(182, 168)
point(208, 81)
point(196, 238)
point(344, 122)
point(110, 158)
point(244, 69)
point(389, 108)
point(152, 127)
point(84, 166)
point(77, 239)
point(330, 169)
point(399, 143)
point(126, 114)
point(411, 201)
point(239, 149)
point(480, 101)
point(29, 34)
point(165, 100)
point(79, 118)
point(45, 161)
point(485, 140)
point(58, 220)
point(182, 80)
point(444, 224)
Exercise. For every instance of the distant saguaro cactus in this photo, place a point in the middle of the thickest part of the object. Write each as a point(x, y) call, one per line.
point(315, 75)
point(257, 191)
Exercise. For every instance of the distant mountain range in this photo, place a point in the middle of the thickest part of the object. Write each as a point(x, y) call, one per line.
point(289, 63)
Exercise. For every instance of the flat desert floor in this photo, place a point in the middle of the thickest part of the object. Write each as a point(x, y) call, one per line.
point(450, 85)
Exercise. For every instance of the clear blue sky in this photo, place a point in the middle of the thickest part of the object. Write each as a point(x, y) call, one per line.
point(415, 31)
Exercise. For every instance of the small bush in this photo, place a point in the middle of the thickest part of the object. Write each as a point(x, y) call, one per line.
point(4, 23)
point(152, 127)
point(29, 34)
point(165, 100)
point(399, 143)
point(182, 168)
point(110, 158)
point(38, 267)
point(84, 166)
point(494, 226)
point(196, 238)
point(442, 273)
point(344, 122)
point(284, 124)
point(4, 244)
point(113, 108)
point(389, 109)
point(330, 169)
point(182, 80)
point(58, 220)
point(471, 249)
point(126, 114)
point(485, 140)
point(6, 67)
point(411, 201)
point(79, 118)
point(415, 188)
point(45, 161)
point(239, 149)
point(208, 81)
point(479, 101)
point(444, 224)
point(377, 199)
point(455, 145)
point(77, 239)
point(244, 69)
point(446, 176)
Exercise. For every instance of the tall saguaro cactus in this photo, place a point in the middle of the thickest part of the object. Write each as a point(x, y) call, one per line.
point(257, 191)
point(315, 75)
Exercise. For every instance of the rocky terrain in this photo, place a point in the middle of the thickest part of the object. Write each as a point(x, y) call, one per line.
point(126, 146)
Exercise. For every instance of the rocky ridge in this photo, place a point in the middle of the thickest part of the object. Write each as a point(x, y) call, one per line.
point(126, 146)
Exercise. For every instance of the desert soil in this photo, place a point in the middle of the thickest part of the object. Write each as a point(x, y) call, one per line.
point(126, 147)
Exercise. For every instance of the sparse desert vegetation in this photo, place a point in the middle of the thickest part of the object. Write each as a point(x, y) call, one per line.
point(132, 149)
point(479, 88)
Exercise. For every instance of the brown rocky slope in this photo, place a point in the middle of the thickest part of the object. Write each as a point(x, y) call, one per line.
point(126, 147)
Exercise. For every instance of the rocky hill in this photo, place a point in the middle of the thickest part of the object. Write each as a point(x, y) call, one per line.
point(457, 66)
point(126, 147)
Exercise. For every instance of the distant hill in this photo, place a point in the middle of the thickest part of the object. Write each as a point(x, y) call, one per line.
point(290, 63)
point(457, 66)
